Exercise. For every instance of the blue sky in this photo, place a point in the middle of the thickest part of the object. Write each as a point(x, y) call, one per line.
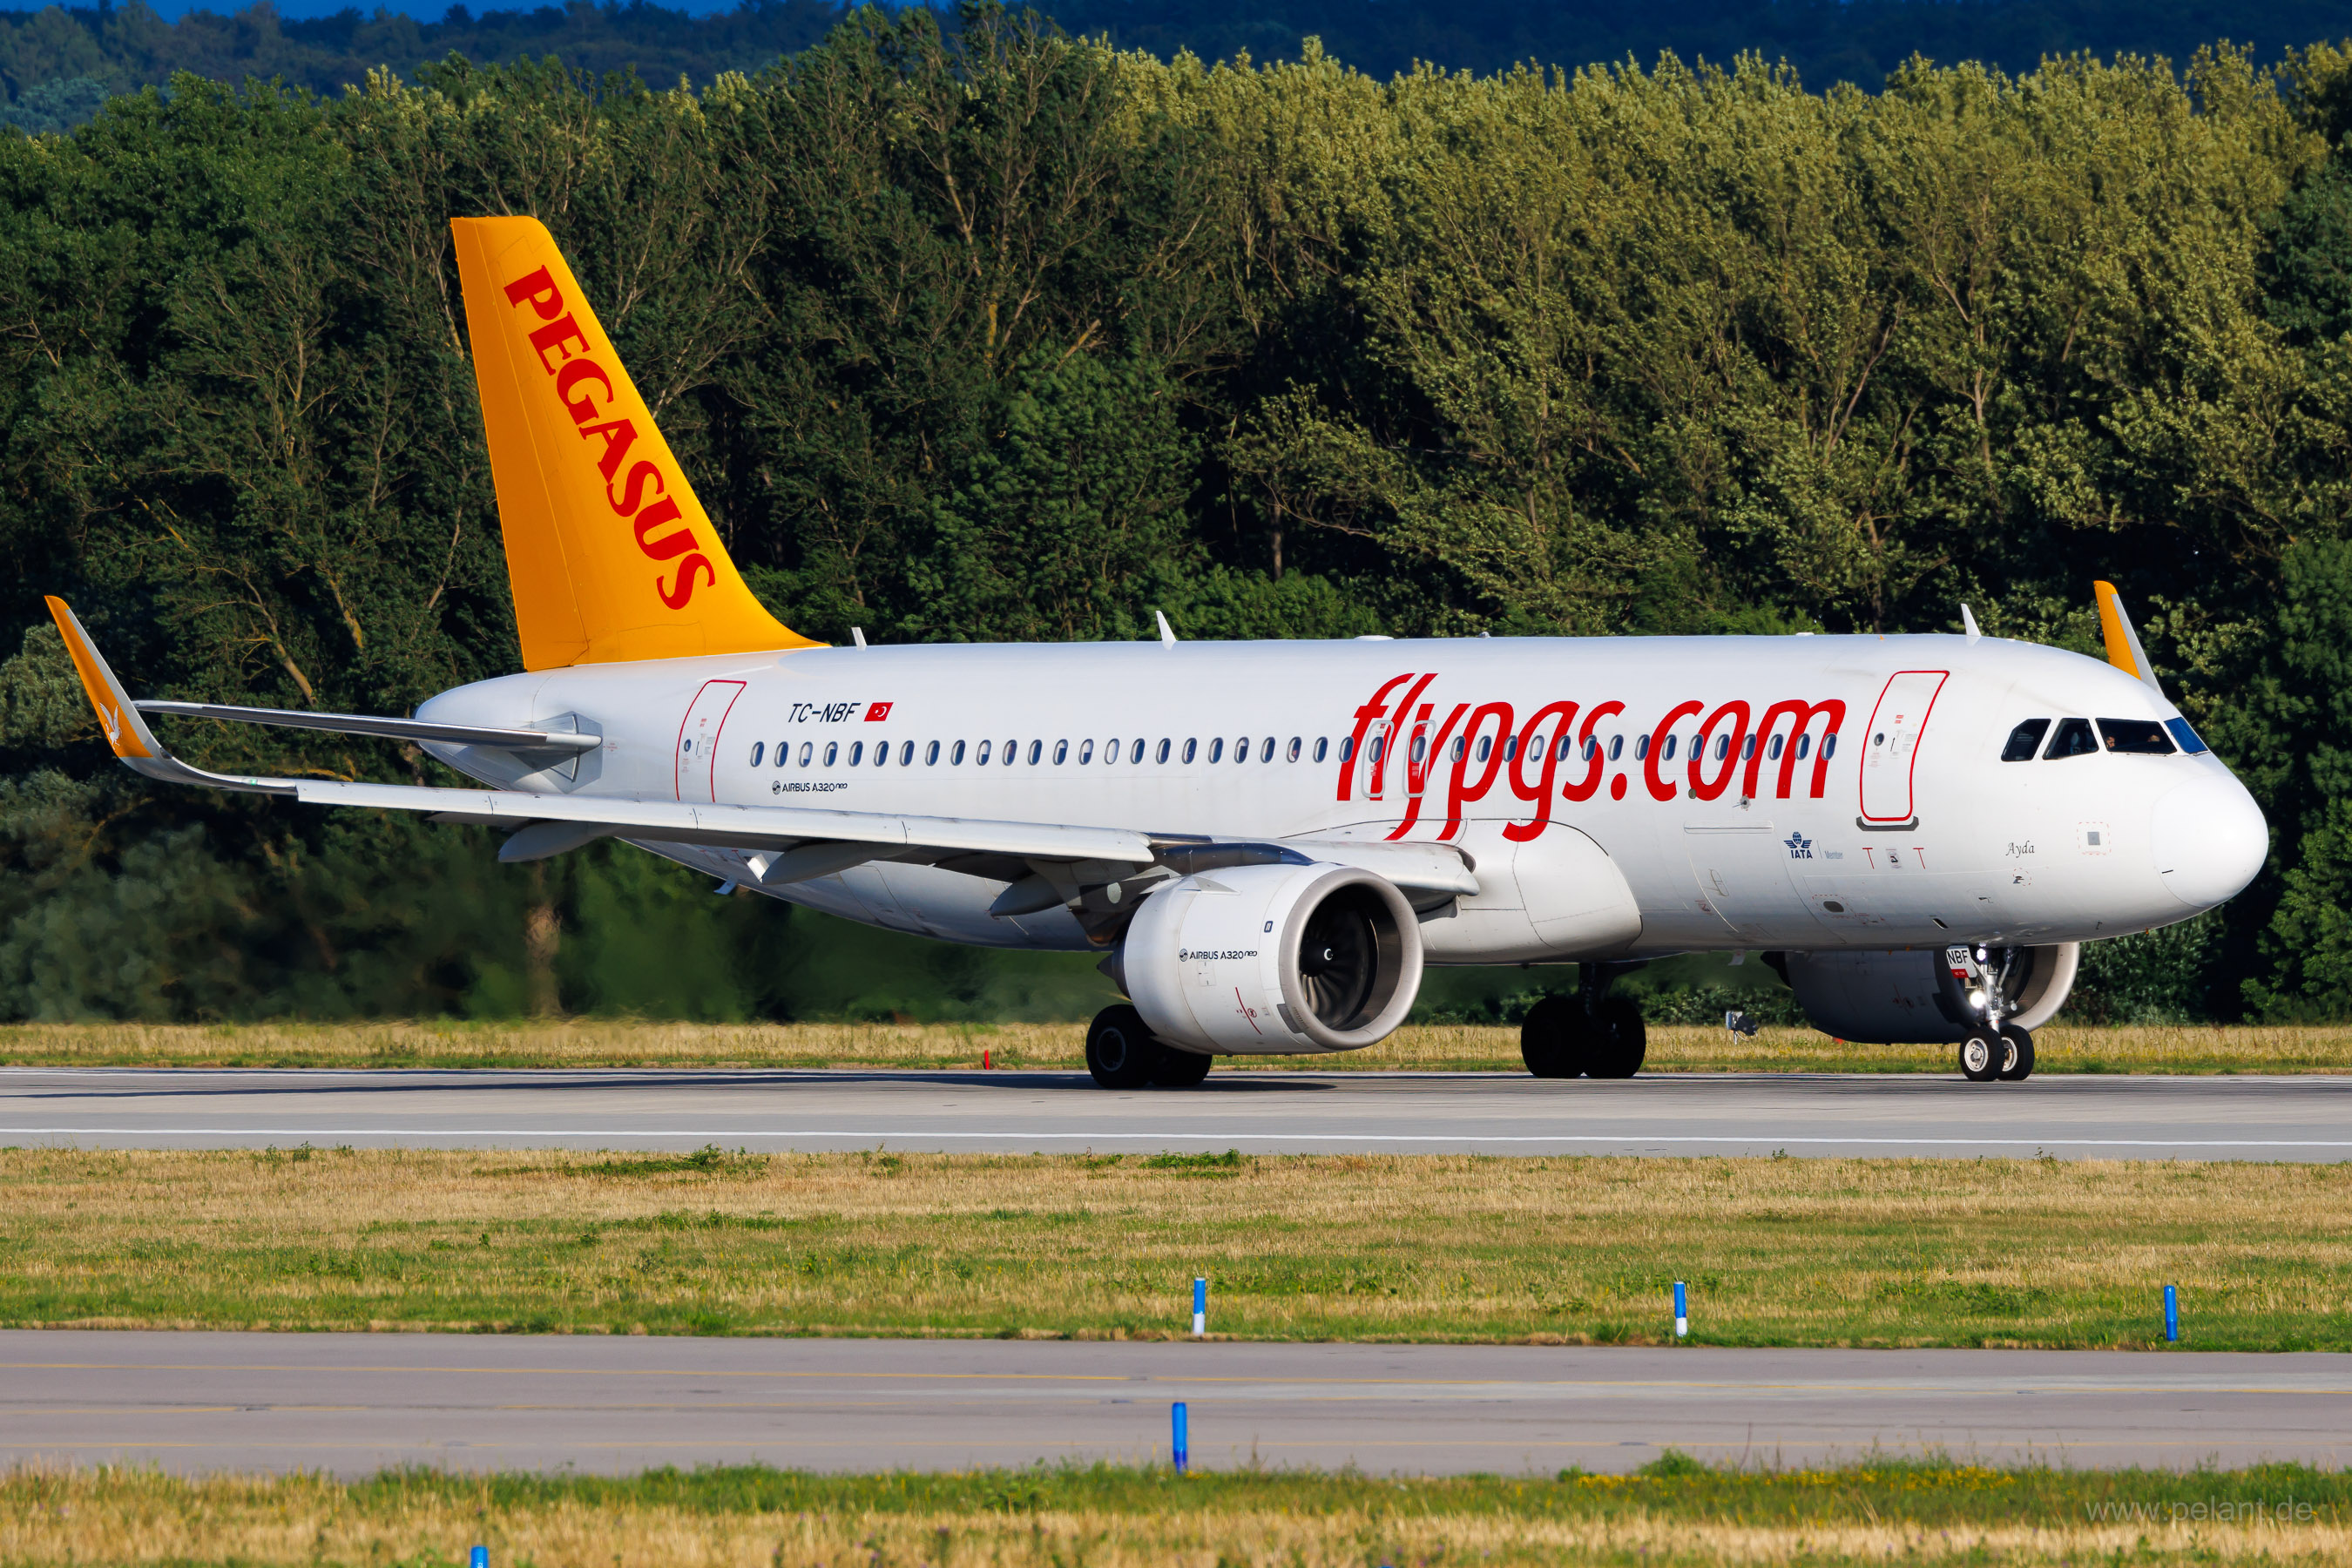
point(423, 10)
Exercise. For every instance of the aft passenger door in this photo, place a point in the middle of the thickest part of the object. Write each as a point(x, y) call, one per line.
point(1890, 746)
point(697, 763)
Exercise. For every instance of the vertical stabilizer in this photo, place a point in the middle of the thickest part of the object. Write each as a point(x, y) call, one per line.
point(609, 554)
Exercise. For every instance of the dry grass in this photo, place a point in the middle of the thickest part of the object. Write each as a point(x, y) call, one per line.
point(1438, 1247)
point(1113, 1518)
point(620, 1043)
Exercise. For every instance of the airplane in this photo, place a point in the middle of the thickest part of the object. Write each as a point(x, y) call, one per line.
point(1267, 842)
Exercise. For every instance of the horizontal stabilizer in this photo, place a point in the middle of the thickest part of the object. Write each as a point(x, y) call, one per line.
point(388, 728)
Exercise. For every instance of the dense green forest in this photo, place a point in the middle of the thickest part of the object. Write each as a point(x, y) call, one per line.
point(994, 333)
point(57, 64)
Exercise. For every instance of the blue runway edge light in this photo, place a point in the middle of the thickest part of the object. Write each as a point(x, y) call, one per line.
point(1681, 1313)
point(481, 1558)
point(2172, 1313)
point(1200, 1308)
point(1179, 1437)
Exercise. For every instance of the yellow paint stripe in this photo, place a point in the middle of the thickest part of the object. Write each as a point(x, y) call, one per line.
point(112, 706)
point(2111, 626)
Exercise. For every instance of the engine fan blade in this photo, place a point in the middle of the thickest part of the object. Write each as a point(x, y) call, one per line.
point(1338, 960)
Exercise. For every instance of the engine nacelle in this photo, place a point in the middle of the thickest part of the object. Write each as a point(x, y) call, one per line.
point(1273, 959)
point(1914, 998)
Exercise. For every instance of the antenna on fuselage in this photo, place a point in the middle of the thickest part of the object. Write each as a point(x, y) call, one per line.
point(857, 635)
point(1968, 623)
point(1167, 632)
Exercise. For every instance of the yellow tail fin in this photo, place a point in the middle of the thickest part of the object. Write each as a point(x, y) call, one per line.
point(609, 554)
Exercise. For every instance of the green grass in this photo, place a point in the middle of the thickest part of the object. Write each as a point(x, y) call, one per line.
point(1111, 1516)
point(1436, 1249)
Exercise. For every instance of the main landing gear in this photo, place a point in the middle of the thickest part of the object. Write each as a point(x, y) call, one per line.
point(1121, 1054)
point(2006, 1054)
point(1589, 1035)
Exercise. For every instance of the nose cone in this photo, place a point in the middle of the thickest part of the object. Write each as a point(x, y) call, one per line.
point(2209, 838)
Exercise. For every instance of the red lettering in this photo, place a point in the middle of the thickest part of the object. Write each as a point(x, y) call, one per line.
point(1531, 742)
point(1460, 792)
point(571, 376)
point(540, 289)
point(1416, 769)
point(1581, 789)
point(1700, 785)
point(1384, 746)
point(554, 336)
point(662, 511)
point(618, 436)
point(1803, 712)
point(1659, 788)
point(1365, 717)
point(676, 598)
point(634, 496)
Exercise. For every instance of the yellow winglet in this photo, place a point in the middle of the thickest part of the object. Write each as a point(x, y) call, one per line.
point(609, 554)
point(2124, 650)
point(126, 732)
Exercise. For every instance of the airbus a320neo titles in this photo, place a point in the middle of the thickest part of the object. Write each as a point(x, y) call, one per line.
point(1268, 841)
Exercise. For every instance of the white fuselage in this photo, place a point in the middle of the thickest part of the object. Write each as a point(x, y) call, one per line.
point(1874, 811)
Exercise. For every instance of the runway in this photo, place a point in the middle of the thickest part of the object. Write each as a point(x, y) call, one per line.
point(354, 1404)
point(2087, 1117)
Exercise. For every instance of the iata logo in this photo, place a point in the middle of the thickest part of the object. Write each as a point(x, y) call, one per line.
point(877, 712)
point(1800, 847)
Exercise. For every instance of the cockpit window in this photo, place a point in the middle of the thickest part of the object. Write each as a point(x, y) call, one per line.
point(2190, 742)
point(2073, 739)
point(2024, 741)
point(2143, 736)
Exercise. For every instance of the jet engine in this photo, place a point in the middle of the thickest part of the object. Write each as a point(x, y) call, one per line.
point(1930, 995)
point(1273, 959)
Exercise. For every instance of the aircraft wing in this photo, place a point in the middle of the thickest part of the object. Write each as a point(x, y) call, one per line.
point(1044, 863)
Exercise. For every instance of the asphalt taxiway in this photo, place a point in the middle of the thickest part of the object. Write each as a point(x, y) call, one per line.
point(352, 1403)
point(2186, 1118)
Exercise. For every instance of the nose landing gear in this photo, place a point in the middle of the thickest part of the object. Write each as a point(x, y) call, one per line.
point(2006, 1054)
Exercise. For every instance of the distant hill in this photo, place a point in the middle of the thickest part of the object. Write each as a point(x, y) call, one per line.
point(57, 64)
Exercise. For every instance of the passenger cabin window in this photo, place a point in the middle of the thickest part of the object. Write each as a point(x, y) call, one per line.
point(1293, 754)
point(1265, 750)
point(856, 752)
point(2024, 741)
point(2073, 739)
point(1061, 752)
point(808, 748)
point(831, 752)
point(758, 751)
point(1347, 750)
point(1137, 756)
point(1668, 753)
point(1216, 750)
point(931, 755)
point(1012, 753)
point(955, 757)
point(907, 754)
point(1086, 752)
point(981, 760)
point(2141, 737)
point(881, 752)
point(1162, 756)
point(1190, 748)
point(1322, 747)
point(1036, 749)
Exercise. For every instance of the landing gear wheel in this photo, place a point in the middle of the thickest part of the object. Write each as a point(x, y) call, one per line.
point(1178, 1070)
point(1120, 1051)
point(1981, 1057)
point(1552, 1038)
point(1620, 1038)
point(2018, 1058)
